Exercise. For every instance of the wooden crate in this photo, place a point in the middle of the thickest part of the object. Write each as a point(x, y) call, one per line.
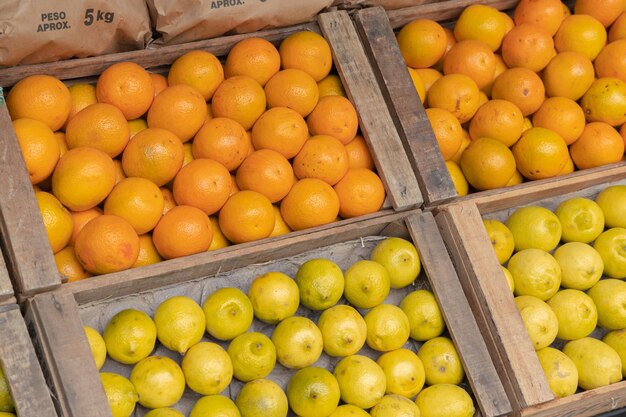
point(461, 226)
point(6, 288)
point(29, 254)
point(376, 29)
point(58, 316)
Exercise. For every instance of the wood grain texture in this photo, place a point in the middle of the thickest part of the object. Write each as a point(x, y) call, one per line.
point(478, 365)
point(29, 258)
point(375, 119)
point(417, 135)
point(6, 287)
point(21, 368)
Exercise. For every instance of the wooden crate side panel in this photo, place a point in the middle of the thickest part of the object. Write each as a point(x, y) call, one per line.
point(375, 119)
point(421, 145)
point(22, 370)
point(478, 365)
point(6, 288)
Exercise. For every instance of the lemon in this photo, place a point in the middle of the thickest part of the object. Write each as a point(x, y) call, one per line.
point(540, 321)
point(509, 278)
point(367, 284)
point(598, 364)
point(581, 265)
point(362, 381)
point(404, 372)
point(611, 244)
point(97, 346)
point(425, 319)
point(313, 392)
point(349, 410)
point(320, 282)
point(617, 340)
point(6, 402)
point(612, 201)
point(164, 412)
point(582, 220)
point(159, 381)
point(400, 258)
point(274, 296)
point(442, 364)
point(207, 367)
point(609, 296)
point(343, 330)
point(387, 328)
point(560, 371)
point(395, 406)
point(130, 336)
point(445, 400)
point(262, 398)
point(501, 239)
point(4, 414)
point(228, 313)
point(253, 356)
point(535, 273)
point(120, 393)
point(576, 313)
point(534, 227)
point(180, 323)
point(298, 342)
point(214, 406)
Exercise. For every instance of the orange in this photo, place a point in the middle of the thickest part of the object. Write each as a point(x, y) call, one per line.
point(223, 140)
point(82, 95)
point(281, 129)
point(605, 101)
point(458, 180)
point(517, 178)
point(80, 219)
point(148, 253)
point(622, 132)
point(240, 98)
point(246, 216)
point(56, 219)
point(606, 11)
point(482, 23)
point(254, 57)
point(154, 154)
point(322, 157)
point(509, 23)
point(599, 144)
point(466, 140)
point(611, 62)
point(168, 200)
point(330, 86)
point(359, 153)
point(40, 97)
point(528, 46)
point(292, 88)
point(310, 202)
point(138, 201)
point(540, 153)
point(360, 192)
point(306, 51)
point(447, 130)
point(107, 244)
point(568, 168)
point(68, 265)
point(159, 82)
point(498, 119)
point(83, 178)
point(233, 185)
point(618, 29)
point(280, 226)
point(60, 137)
point(219, 240)
point(267, 172)
point(428, 76)
point(188, 153)
point(546, 14)
point(472, 58)
point(450, 42)
point(487, 164)
point(204, 184)
point(500, 68)
point(581, 33)
point(521, 87)
point(561, 115)
point(137, 125)
point(422, 43)
point(101, 126)
point(119, 171)
point(569, 74)
point(180, 109)
point(182, 231)
point(40, 149)
point(334, 116)
point(456, 93)
point(198, 69)
point(128, 87)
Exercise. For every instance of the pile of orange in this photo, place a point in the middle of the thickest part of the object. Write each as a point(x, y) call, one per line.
point(531, 95)
point(142, 167)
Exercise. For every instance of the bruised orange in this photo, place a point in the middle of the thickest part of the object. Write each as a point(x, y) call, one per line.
point(182, 231)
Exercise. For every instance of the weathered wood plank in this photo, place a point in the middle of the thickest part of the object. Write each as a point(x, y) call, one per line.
point(6, 287)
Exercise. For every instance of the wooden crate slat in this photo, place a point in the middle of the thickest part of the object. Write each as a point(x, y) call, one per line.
point(374, 117)
point(584, 404)
point(6, 288)
point(443, 279)
point(422, 147)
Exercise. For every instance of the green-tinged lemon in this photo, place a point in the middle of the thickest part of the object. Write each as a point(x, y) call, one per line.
point(404, 372)
point(164, 412)
point(540, 321)
point(298, 342)
point(6, 402)
point(320, 282)
point(560, 371)
point(609, 296)
point(401, 259)
point(617, 340)
point(445, 400)
point(425, 318)
point(159, 381)
point(509, 278)
point(362, 381)
point(228, 313)
point(612, 201)
point(313, 392)
point(262, 398)
point(598, 364)
point(441, 361)
point(343, 330)
point(501, 239)
point(180, 323)
point(97, 346)
point(214, 406)
point(5, 414)
point(611, 245)
point(535, 272)
point(253, 356)
point(120, 393)
point(387, 328)
point(274, 297)
point(207, 367)
point(534, 227)
point(576, 313)
point(581, 265)
point(395, 406)
point(349, 410)
point(367, 284)
point(130, 336)
point(582, 220)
